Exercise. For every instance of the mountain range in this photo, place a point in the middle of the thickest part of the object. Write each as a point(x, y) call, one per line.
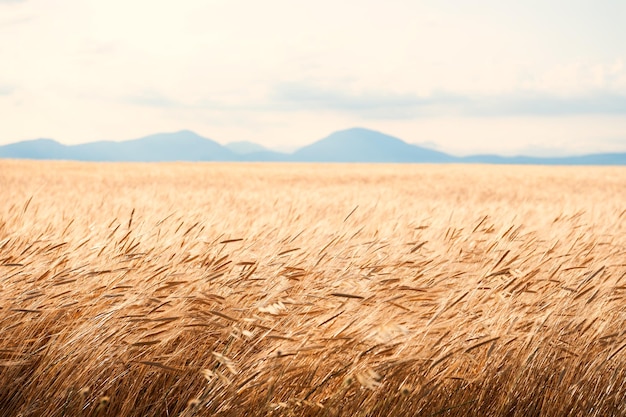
point(351, 145)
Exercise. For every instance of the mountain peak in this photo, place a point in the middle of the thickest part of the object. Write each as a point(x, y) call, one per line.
point(361, 132)
point(187, 132)
point(358, 129)
point(175, 136)
point(364, 145)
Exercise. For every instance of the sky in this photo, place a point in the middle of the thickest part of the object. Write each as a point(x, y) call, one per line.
point(533, 77)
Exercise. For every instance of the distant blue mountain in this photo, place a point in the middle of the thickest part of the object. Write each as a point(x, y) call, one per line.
point(591, 159)
point(351, 145)
point(179, 146)
point(363, 145)
point(34, 149)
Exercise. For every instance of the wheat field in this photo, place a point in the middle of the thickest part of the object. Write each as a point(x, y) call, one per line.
point(300, 290)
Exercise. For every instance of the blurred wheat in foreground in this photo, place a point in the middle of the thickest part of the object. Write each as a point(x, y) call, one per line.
point(261, 290)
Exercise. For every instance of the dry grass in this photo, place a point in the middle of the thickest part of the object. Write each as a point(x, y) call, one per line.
point(225, 289)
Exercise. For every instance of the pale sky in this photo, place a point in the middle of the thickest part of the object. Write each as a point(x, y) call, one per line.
point(534, 76)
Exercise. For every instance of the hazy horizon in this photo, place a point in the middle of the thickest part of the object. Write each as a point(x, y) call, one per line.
point(497, 77)
point(248, 147)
